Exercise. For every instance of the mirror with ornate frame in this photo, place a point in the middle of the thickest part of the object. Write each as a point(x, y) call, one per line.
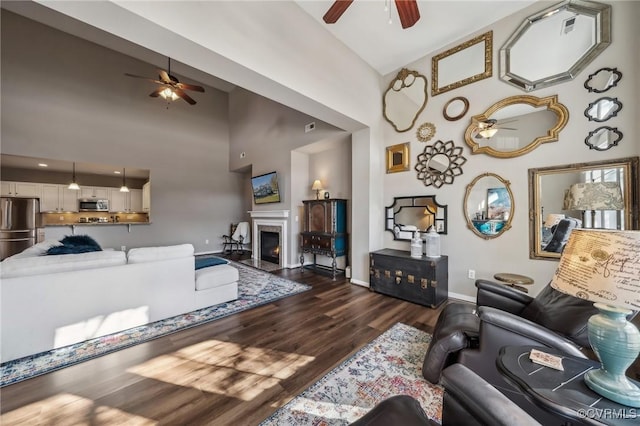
point(464, 64)
point(415, 214)
point(456, 108)
point(555, 44)
point(489, 205)
point(439, 163)
point(549, 187)
point(516, 125)
point(603, 109)
point(603, 138)
point(603, 80)
point(405, 99)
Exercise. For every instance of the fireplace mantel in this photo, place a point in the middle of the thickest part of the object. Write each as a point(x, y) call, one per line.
point(271, 218)
point(269, 213)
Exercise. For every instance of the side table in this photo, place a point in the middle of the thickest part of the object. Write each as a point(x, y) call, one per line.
point(562, 392)
point(514, 280)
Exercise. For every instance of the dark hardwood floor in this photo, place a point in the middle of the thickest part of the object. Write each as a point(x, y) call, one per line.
point(236, 370)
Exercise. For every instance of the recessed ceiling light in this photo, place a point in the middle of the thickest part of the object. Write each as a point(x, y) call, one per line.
point(43, 165)
point(116, 172)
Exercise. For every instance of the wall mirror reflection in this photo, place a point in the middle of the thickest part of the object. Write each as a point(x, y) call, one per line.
point(516, 125)
point(603, 109)
point(601, 194)
point(603, 80)
point(405, 99)
point(408, 215)
point(555, 44)
point(464, 64)
point(489, 205)
point(603, 138)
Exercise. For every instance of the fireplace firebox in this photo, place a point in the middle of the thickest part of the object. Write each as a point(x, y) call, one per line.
point(270, 246)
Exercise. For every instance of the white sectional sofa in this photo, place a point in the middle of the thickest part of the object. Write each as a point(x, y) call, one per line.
point(52, 301)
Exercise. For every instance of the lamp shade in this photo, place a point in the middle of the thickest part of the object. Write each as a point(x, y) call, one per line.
point(594, 196)
point(553, 219)
point(601, 266)
point(317, 185)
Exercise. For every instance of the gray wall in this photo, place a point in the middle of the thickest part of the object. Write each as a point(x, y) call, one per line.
point(66, 98)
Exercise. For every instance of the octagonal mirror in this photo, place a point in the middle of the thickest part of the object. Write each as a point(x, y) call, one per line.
point(554, 45)
point(405, 99)
point(516, 125)
point(488, 205)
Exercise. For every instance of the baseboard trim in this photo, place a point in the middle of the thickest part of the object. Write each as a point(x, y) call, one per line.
point(463, 297)
point(358, 282)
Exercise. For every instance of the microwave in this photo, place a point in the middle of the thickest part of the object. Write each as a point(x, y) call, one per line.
point(91, 205)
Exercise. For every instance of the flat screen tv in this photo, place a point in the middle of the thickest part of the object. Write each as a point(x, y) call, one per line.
point(265, 188)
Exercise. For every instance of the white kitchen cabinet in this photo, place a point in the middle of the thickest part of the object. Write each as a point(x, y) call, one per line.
point(21, 189)
point(125, 201)
point(95, 192)
point(58, 198)
point(135, 198)
point(146, 197)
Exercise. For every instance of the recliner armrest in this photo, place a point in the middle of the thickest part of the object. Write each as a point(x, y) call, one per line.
point(479, 401)
point(501, 297)
point(524, 329)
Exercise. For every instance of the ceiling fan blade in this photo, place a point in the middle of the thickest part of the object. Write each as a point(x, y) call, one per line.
point(336, 10)
point(184, 96)
point(408, 12)
point(185, 86)
point(144, 78)
point(507, 128)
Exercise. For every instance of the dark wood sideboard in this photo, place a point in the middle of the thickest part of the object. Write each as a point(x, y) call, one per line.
point(422, 280)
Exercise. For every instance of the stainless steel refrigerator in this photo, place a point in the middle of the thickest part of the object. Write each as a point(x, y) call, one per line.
point(20, 223)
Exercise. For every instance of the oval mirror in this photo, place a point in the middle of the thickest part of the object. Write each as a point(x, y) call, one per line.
point(556, 192)
point(603, 109)
point(405, 99)
point(516, 125)
point(603, 80)
point(456, 108)
point(603, 138)
point(410, 214)
point(489, 205)
point(554, 45)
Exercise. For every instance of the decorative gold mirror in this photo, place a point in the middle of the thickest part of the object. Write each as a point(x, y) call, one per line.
point(439, 163)
point(464, 64)
point(603, 109)
point(456, 108)
point(425, 132)
point(516, 125)
point(489, 205)
point(398, 158)
point(554, 45)
point(415, 214)
point(405, 99)
point(603, 138)
point(559, 191)
point(603, 80)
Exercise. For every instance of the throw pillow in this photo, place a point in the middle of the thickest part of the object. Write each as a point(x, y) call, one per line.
point(80, 240)
point(64, 249)
point(210, 261)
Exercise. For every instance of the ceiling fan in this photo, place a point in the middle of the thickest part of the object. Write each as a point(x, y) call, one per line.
point(407, 10)
point(488, 128)
point(170, 87)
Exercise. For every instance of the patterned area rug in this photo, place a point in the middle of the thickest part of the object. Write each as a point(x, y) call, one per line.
point(389, 365)
point(255, 288)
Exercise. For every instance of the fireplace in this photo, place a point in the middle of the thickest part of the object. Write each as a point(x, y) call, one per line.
point(270, 246)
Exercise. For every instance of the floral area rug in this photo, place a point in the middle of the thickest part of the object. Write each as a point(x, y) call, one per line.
point(389, 365)
point(255, 288)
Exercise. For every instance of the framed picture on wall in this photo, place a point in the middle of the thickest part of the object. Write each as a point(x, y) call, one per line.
point(398, 158)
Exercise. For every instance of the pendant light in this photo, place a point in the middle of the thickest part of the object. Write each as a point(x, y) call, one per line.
point(74, 185)
point(124, 188)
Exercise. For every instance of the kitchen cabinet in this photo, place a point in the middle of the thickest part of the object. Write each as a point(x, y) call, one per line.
point(20, 189)
point(97, 192)
point(422, 280)
point(146, 197)
point(58, 198)
point(125, 201)
point(135, 200)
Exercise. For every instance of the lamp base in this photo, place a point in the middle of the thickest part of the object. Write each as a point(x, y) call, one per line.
point(616, 342)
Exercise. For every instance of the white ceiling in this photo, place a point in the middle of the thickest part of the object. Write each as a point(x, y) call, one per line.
point(364, 27)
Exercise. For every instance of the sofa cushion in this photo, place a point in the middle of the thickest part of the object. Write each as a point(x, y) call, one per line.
point(215, 276)
point(51, 264)
point(152, 254)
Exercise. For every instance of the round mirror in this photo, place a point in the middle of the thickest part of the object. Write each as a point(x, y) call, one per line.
point(603, 109)
point(456, 108)
point(405, 99)
point(439, 163)
point(516, 125)
point(488, 205)
point(603, 138)
point(603, 80)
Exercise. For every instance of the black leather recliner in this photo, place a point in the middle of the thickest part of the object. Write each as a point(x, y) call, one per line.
point(561, 234)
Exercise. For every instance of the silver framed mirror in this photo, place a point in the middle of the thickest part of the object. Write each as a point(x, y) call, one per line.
point(464, 64)
point(405, 99)
point(489, 205)
point(603, 138)
point(407, 215)
point(603, 109)
point(555, 44)
point(551, 193)
point(439, 163)
point(603, 80)
point(455, 108)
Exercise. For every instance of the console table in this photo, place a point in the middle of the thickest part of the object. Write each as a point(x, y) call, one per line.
point(422, 280)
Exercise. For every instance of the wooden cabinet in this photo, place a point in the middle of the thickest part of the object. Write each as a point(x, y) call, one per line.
point(97, 192)
point(395, 273)
point(58, 198)
point(324, 231)
point(20, 189)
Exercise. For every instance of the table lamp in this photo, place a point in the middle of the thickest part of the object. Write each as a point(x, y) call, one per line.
point(604, 266)
point(317, 186)
point(592, 196)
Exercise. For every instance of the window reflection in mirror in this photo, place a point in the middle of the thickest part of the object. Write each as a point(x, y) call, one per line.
point(489, 205)
point(408, 215)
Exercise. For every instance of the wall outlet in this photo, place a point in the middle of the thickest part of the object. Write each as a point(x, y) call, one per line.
point(206, 241)
point(123, 248)
point(310, 127)
point(472, 274)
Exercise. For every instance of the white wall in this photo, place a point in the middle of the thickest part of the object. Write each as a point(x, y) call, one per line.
point(510, 252)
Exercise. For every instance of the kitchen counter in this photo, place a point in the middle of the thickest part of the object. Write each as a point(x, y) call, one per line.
point(75, 225)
